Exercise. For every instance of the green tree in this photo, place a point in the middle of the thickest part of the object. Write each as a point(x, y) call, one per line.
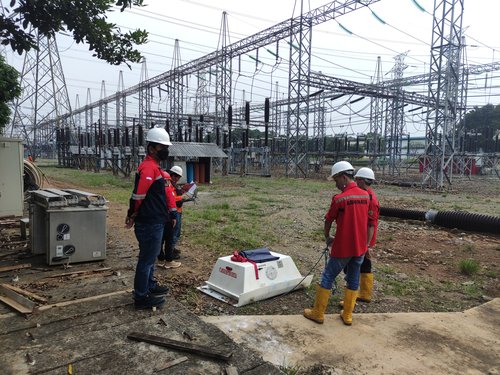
point(483, 123)
point(10, 89)
point(85, 19)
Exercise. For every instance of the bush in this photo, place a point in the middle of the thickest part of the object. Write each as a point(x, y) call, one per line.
point(468, 266)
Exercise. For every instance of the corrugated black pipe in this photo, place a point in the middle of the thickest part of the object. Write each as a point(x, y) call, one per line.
point(448, 219)
point(399, 183)
point(468, 221)
point(402, 213)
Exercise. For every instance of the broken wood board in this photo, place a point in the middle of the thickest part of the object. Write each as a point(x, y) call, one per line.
point(180, 345)
point(173, 363)
point(16, 267)
point(16, 301)
point(72, 302)
point(26, 293)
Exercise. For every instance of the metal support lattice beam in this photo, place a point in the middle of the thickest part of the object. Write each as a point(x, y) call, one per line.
point(298, 95)
point(442, 119)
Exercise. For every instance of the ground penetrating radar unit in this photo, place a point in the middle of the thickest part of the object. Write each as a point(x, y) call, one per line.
point(253, 275)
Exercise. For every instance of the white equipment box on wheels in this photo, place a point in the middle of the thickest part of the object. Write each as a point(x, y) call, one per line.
point(68, 225)
point(242, 282)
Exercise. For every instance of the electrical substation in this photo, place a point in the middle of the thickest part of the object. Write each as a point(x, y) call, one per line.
point(278, 107)
point(292, 140)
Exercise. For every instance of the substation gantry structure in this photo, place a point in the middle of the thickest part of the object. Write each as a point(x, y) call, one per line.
point(297, 31)
point(293, 121)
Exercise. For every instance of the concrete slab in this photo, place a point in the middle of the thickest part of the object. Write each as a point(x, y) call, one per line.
point(401, 343)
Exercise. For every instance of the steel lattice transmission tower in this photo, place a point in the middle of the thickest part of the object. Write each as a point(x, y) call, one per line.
point(121, 104)
point(145, 97)
point(376, 117)
point(224, 82)
point(298, 97)
point(202, 98)
point(176, 92)
point(395, 117)
point(319, 127)
point(44, 98)
point(444, 92)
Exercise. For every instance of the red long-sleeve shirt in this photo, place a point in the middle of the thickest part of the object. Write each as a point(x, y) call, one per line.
point(349, 210)
point(373, 214)
point(170, 192)
point(148, 203)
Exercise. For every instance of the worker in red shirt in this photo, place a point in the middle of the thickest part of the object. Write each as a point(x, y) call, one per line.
point(166, 255)
point(148, 214)
point(349, 210)
point(364, 178)
point(176, 174)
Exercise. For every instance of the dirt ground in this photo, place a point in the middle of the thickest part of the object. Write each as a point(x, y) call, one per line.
point(415, 263)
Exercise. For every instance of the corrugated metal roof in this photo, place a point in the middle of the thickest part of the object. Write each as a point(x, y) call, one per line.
point(197, 150)
point(179, 149)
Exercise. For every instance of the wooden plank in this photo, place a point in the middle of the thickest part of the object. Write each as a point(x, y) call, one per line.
point(18, 302)
point(10, 243)
point(15, 305)
point(93, 298)
point(12, 252)
point(26, 293)
point(16, 267)
point(76, 273)
point(173, 363)
point(180, 345)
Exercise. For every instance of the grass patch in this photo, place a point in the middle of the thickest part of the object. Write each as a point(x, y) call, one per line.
point(404, 286)
point(251, 206)
point(317, 234)
point(491, 273)
point(386, 269)
point(472, 290)
point(468, 247)
point(115, 189)
point(386, 238)
point(468, 266)
point(289, 370)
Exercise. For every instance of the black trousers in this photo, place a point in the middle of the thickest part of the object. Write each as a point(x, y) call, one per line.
point(167, 251)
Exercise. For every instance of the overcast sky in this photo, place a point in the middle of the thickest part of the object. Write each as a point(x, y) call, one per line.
point(335, 52)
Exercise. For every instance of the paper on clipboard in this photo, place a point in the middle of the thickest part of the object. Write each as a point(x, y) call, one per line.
point(191, 192)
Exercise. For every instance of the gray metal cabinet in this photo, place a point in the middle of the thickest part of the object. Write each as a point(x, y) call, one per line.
point(69, 226)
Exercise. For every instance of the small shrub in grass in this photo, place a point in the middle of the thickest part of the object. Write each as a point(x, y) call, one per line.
point(289, 370)
point(468, 266)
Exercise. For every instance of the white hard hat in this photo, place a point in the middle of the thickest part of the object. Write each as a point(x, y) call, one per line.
point(341, 166)
point(365, 173)
point(158, 135)
point(177, 170)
